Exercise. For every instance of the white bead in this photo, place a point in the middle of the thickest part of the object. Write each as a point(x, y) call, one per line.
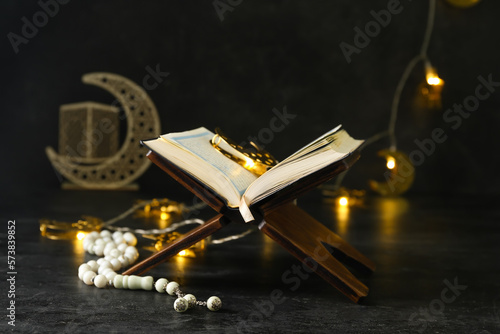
point(181, 305)
point(94, 234)
point(130, 258)
point(161, 284)
point(191, 299)
point(83, 269)
point(87, 242)
point(100, 281)
point(107, 240)
point(100, 242)
point(108, 258)
point(123, 260)
point(130, 239)
point(110, 244)
point(105, 233)
point(101, 260)
point(122, 247)
point(118, 281)
point(171, 287)
point(105, 264)
point(119, 240)
point(115, 253)
point(93, 265)
point(116, 264)
point(90, 248)
point(138, 282)
point(99, 249)
point(131, 250)
point(133, 282)
point(106, 270)
point(110, 275)
point(88, 276)
point(117, 234)
point(214, 303)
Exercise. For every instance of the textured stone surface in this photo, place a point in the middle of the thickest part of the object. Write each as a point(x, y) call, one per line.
point(417, 244)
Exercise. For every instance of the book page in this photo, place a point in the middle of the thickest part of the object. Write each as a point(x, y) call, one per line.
point(322, 140)
point(198, 143)
point(338, 145)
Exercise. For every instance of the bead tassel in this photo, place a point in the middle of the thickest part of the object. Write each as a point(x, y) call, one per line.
point(119, 252)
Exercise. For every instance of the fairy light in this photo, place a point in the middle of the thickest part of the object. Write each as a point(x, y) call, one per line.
point(391, 163)
point(249, 163)
point(81, 235)
point(432, 78)
point(187, 253)
point(343, 201)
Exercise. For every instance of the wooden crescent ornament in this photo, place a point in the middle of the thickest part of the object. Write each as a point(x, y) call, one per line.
point(130, 161)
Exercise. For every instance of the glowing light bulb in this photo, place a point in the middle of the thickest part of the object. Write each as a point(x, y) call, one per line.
point(432, 78)
point(343, 201)
point(81, 235)
point(391, 163)
point(434, 81)
point(249, 163)
point(187, 253)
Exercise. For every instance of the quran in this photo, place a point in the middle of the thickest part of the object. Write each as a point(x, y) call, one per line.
point(192, 152)
point(232, 186)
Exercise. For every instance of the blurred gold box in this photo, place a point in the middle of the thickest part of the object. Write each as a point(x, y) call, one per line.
point(88, 131)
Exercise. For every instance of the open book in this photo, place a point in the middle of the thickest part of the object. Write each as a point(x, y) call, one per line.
point(193, 152)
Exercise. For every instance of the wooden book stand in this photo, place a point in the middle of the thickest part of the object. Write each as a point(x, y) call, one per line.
point(303, 236)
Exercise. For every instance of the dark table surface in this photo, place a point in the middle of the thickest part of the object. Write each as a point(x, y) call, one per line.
point(436, 256)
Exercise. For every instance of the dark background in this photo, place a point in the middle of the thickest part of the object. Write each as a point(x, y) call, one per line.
point(232, 73)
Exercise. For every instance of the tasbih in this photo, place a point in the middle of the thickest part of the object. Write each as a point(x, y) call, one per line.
point(118, 251)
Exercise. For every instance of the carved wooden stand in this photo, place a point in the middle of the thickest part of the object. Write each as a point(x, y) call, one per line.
point(303, 236)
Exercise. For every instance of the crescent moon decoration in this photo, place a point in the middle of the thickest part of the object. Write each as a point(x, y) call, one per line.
point(129, 162)
point(399, 176)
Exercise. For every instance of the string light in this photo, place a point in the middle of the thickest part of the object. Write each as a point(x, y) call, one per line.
point(249, 163)
point(81, 235)
point(391, 163)
point(58, 230)
point(399, 175)
point(343, 197)
point(432, 92)
point(433, 79)
point(343, 201)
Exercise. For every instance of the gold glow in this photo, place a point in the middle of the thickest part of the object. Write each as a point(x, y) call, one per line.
point(434, 81)
point(432, 78)
point(81, 235)
point(164, 216)
point(187, 253)
point(343, 201)
point(342, 213)
point(463, 3)
point(391, 163)
point(249, 163)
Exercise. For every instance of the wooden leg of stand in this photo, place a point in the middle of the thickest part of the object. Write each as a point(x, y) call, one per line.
point(197, 234)
point(304, 237)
